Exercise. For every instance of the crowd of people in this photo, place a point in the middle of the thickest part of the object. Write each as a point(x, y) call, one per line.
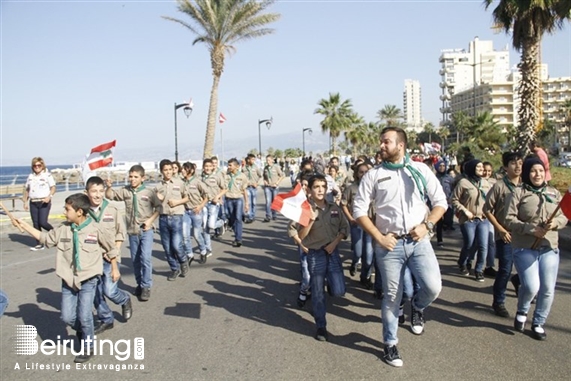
point(390, 207)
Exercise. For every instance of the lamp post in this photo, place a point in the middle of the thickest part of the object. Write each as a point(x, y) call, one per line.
point(268, 125)
point(187, 111)
point(303, 138)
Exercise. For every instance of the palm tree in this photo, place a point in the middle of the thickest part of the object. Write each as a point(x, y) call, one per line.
point(487, 133)
point(338, 117)
point(429, 129)
point(528, 21)
point(219, 24)
point(391, 114)
point(462, 124)
point(357, 134)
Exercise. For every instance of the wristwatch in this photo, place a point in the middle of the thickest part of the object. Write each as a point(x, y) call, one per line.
point(429, 226)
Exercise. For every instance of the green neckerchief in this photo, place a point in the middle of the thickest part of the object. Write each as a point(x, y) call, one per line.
point(97, 217)
point(205, 177)
point(189, 180)
point(479, 186)
point(269, 169)
point(75, 229)
point(231, 182)
point(539, 192)
point(135, 200)
point(419, 180)
point(248, 168)
point(511, 186)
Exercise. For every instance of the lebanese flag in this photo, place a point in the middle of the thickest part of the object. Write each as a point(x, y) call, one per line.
point(565, 204)
point(222, 118)
point(100, 156)
point(293, 205)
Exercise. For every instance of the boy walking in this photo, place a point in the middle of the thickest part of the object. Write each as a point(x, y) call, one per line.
point(273, 175)
point(236, 199)
point(215, 189)
point(254, 175)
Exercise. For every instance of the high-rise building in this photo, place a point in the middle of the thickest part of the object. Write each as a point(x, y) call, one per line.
point(412, 105)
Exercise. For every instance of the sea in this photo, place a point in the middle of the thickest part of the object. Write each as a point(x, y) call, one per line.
point(16, 175)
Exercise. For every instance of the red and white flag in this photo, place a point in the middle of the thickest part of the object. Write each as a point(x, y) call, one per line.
point(293, 205)
point(99, 157)
point(222, 118)
point(565, 204)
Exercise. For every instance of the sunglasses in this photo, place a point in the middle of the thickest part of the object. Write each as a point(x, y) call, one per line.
point(38, 165)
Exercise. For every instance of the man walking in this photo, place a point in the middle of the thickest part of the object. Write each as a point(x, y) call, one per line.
point(253, 173)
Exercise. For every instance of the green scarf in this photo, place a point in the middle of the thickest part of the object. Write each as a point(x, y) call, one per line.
point(269, 171)
point(540, 192)
point(135, 200)
point(231, 182)
point(75, 229)
point(97, 217)
point(509, 184)
point(479, 186)
point(419, 180)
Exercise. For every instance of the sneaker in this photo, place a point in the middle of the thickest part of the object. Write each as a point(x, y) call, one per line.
point(137, 291)
point(274, 218)
point(203, 258)
point(490, 272)
point(367, 283)
point(209, 253)
point(127, 310)
point(352, 270)
point(190, 260)
point(469, 266)
point(538, 333)
point(416, 321)
point(321, 334)
point(378, 294)
point(479, 276)
point(500, 310)
point(173, 275)
point(301, 299)
point(37, 247)
point(183, 269)
point(83, 358)
point(519, 325)
point(266, 219)
point(236, 243)
point(392, 356)
point(102, 327)
point(401, 314)
point(145, 294)
point(515, 282)
point(440, 244)
point(464, 270)
point(248, 221)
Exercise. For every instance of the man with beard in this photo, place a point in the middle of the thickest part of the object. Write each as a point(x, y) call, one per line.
point(399, 189)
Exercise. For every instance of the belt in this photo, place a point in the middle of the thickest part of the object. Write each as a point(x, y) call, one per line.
point(402, 236)
point(36, 199)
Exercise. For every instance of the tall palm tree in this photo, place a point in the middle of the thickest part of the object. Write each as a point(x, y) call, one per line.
point(219, 24)
point(338, 117)
point(391, 114)
point(487, 133)
point(462, 124)
point(528, 21)
point(357, 134)
point(429, 129)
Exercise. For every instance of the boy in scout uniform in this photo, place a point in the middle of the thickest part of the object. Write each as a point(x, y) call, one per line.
point(236, 199)
point(142, 207)
point(80, 249)
point(273, 175)
point(326, 229)
point(254, 175)
point(110, 223)
point(215, 189)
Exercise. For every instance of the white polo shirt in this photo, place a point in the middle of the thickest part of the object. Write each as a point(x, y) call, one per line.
point(38, 185)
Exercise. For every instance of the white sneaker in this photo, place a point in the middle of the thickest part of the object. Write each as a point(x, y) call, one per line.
point(392, 356)
point(37, 247)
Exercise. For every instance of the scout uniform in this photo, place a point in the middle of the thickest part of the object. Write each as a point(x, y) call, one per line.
point(254, 175)
point(237, 184)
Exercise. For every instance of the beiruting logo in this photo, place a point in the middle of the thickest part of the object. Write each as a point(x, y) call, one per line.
point(27, 345)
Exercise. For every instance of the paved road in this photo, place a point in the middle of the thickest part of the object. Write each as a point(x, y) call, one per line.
point(236, 318)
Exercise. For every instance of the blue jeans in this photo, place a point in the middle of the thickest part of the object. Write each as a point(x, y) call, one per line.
point(141, 247)
point(170, 228)
point(235, 207)
point(367, 257)
point(270, 194)
point(304, 287)
point(3, 302)
point(537, 271)
point(321, 266)
point(356, 243)
point(505, 263)
point(107, 288)
point(76, 307)
point(491, 257)
point(252, 194)
point(210, 221)
point(419, 257)
point(475, 239)
point(192, 223)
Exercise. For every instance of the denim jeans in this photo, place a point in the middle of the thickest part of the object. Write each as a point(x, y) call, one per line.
point(192, 223)
point(40, 211)
point(106, 288)
point(141, 247)
point(3, 302)
point(505, 262)
point(475, 239)
point(305, 285)
point(537, 271)
point(235, 207)
point(170, 228)
point(210, 222)
point(324, 266)
point(419, 257)
point(367, 257)
point(356, 243)
point(270, 194)
point(252, 194)
point(76, 306)
point(491, 257)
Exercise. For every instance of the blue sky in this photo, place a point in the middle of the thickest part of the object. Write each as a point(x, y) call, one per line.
point(77, 74)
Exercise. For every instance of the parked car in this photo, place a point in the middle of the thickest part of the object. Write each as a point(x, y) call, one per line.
point(564, 160)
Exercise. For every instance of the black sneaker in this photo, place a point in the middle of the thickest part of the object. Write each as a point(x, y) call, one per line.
point(321, 334)
point(392, 356)
point(378, 294)
point(127, 310)
point(464, 270)
point(190, 260)
point(479, 276)
point(145, 294)
point(416, 321)
point(266, 219)
point(137, 291)
point(203, 258)
point(519, 325)
point(490, 272)
point(538, 333)
point(183, 269)
point(236, 243)
point(500, 309)
point(352, 271)
point(367, 283)
point(80, 359)
point(102, 327)
point(301, 299)
point(402, 318)
point(173, 275)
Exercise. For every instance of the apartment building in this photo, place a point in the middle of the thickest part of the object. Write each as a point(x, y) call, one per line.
point(412, 105)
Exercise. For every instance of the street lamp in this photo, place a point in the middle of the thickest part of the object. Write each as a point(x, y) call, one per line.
point(303, 138)
point(268, 125)
point(187, 111)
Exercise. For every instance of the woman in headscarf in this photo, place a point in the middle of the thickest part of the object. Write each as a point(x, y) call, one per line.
point(446, 181)
point(534, 241)
point(468, 199)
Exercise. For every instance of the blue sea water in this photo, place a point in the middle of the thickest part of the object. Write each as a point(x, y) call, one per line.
point(18, 175)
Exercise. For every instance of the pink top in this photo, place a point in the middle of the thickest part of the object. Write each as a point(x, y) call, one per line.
point(543, 157)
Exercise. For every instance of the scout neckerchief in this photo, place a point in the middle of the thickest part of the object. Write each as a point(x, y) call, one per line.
point(231, 182)
point(540, 191)
point(97, 217)
point(269, 169)
point(511, 186)
point(248, 168)
point(419, 180)
point(135, 200)
point(75, 229)
point(478, 185)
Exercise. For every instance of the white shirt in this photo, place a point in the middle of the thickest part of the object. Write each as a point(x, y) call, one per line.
point(39, 185)
point(398, 204)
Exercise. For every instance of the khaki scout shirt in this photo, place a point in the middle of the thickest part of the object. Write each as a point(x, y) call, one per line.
point(110, 223)
point(93, 244)
point(237, 184)
point(496, 201)
point(171, 190)
point(214, 184)
point(328, 224)
point(147, 204)
point(467, 197)
point(526, 210)
point(272, 175)
point(196, 192)
point(253, 173)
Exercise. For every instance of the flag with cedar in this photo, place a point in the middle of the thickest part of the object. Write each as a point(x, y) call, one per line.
point(99, 157)
point(293, 205)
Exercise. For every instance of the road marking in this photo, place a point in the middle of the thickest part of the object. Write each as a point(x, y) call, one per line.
point(28, 261)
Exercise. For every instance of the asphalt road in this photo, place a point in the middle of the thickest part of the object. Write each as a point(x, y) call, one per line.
point(235, 318)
